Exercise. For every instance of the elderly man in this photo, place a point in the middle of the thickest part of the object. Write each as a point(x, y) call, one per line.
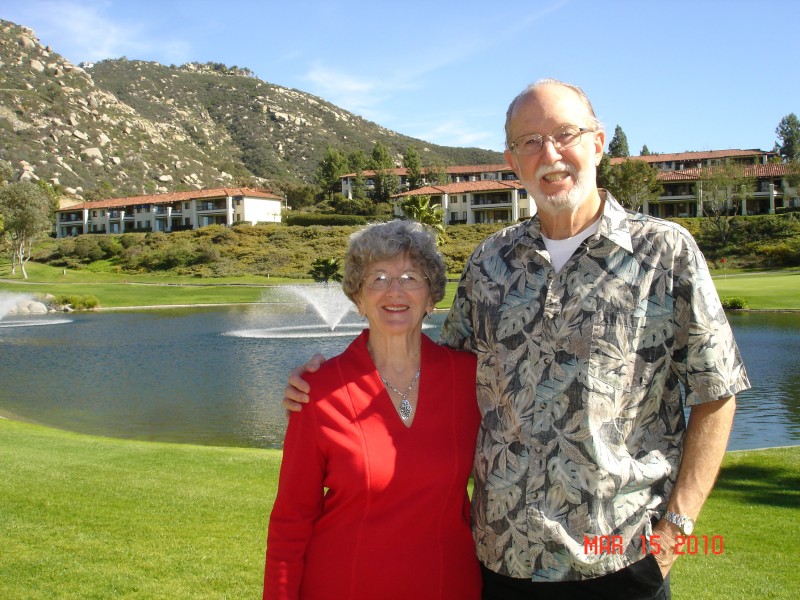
point(593, 327)
point(587, 321)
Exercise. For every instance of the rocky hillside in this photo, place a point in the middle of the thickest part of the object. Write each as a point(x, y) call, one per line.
point(121, 127)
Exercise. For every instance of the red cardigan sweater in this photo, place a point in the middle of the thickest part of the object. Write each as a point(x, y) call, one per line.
point(368, 508)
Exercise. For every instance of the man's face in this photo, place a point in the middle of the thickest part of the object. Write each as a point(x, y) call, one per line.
point(558, 180)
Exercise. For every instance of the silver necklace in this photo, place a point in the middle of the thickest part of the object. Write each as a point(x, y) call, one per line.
point(405, 406)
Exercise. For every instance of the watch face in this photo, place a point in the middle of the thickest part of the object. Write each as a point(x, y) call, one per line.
point(688, 526)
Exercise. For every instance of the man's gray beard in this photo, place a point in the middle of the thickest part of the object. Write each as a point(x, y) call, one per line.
point(566, 201)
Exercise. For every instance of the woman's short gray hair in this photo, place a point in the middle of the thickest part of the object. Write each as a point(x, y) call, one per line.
point(385, 241)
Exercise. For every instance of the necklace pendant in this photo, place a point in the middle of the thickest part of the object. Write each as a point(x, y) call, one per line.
point(405, 409)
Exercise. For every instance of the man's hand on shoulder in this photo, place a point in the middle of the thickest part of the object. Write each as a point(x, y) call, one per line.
point(295, 394)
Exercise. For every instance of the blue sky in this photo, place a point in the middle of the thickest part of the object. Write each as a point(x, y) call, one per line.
point(676, 76)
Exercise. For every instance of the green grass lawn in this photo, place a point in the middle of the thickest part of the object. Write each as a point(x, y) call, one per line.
point(754, 507)
point(87, 517)
point(90, 517)
point(775, 290)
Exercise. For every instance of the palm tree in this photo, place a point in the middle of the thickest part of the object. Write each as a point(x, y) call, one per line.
point(420, 209)
point(324, 270)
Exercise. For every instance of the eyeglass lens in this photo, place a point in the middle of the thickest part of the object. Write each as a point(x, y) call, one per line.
point(382, 281)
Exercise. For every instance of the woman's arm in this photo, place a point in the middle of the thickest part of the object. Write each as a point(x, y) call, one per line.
point(297, 507)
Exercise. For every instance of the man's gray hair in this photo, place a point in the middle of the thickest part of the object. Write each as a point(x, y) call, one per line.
point(384, 241)
point(595, 122)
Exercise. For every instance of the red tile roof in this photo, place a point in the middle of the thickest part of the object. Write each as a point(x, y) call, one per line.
point(694, 156)
point(464, 187)
point(175, 197)
point(768, 170)
point(457, 170)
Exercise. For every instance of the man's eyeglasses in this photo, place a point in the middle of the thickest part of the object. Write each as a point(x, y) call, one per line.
point(408, 281)
point(562, 137)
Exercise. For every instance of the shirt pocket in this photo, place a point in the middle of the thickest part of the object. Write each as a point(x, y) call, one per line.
point(628, 352)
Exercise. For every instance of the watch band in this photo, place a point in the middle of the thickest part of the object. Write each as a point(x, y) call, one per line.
point(684, 523)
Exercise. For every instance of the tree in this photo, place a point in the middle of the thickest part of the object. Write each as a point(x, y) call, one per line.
point(721, 190)
point(413, 164)
point(6, 172)
point(618, 146)
point(343, 205)
point(26, 210)
point(419, 208)
point(330, 170)
point(436, 173)
point(634, 182)
point(357, 162)
point(386, 182)
point(300, 196)
point(788, 131)
point(52, 194)
point(323, 270)
point(604, 172)
point(645, 151)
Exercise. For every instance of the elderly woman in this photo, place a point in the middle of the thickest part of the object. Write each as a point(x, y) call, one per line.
point(372, 501)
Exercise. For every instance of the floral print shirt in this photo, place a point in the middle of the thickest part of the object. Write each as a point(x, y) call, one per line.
point(582, 380)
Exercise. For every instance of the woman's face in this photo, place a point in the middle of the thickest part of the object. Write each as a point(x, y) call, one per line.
point(399, 308)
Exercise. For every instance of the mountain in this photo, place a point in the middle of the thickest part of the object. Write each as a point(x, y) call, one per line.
point(127, 127)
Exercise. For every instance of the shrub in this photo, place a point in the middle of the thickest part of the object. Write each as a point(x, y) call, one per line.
point(783, 253)
point(78, 302)
point(735, 303)
point(306, 219)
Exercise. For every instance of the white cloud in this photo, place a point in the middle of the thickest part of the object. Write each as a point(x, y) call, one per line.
point(454, 132)
point(84, 32)
point(359, 96)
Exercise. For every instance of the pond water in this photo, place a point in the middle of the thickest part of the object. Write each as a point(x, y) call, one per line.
point(215, 376)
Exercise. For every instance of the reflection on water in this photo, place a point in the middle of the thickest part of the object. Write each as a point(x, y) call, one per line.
point(216, 376)
point(32, 322)
point(299, 331)
point(768, 415)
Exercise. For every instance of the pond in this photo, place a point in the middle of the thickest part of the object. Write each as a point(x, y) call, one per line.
point(215, 376)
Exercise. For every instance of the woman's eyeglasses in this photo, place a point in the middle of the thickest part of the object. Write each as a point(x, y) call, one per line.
point(408, 281)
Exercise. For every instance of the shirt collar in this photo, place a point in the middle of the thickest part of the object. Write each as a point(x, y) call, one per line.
point(614, 222)
point(613, 225)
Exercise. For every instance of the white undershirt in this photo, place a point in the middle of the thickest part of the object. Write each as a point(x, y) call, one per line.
point(562, 250)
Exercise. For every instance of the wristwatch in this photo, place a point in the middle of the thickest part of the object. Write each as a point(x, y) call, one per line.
point(685, 524)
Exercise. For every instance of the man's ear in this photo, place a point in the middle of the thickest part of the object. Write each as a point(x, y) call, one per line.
point(511, 161)
point(599, 144)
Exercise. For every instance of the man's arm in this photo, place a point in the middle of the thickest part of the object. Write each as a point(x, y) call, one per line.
point(295, 394)
point(703, 449)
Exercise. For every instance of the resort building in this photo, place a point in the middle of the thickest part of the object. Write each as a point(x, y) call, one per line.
point(682, 176)
point(488, 193)
point(169, 212)
point(480, 201)
point(492, 193)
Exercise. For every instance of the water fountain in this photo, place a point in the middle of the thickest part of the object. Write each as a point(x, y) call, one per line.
point(26, 310)
point(328, 305)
